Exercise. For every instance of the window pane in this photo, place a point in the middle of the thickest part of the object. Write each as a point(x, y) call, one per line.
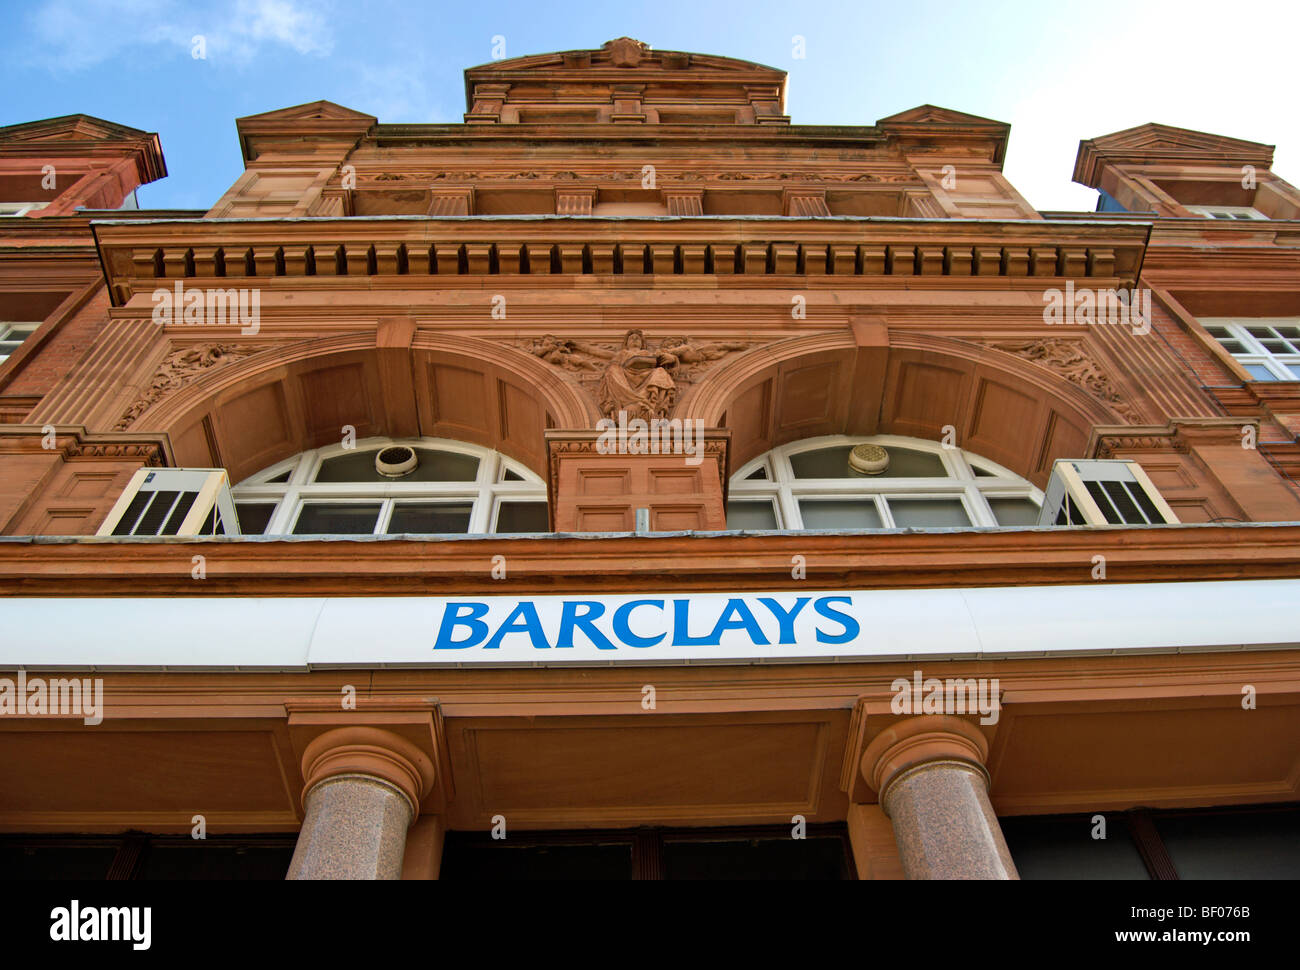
point(751, 515)
point(427, 518)
point(1063, 848)
point(1014, 511)
point(834, 463)
point(928, 513)
point(329, 518)
point(434, 466)
point(840, 514)
point(465, 858)
point(822, 463)
point(254, 517)
point(906, 463)
point(522, 517)
point(802, 859)
point(1245, 845)
point(1260, 372)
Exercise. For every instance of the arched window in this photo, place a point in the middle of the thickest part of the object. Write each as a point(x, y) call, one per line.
point(426, 486)
point(811, 484)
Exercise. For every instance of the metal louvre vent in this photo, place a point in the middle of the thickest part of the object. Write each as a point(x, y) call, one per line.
point(1103, 493)
point(174, 502)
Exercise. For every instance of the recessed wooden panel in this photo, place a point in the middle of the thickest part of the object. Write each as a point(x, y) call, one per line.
point(602, 482)
point(191, 448)
point(462, 404)
point(96, 770)
point(750, 418)
point(1203, 756)
point(604, 518)
point(676, 518)
point(1004, 423)
point(70, 522)
point(337, 396)
point(1063, 440)
point(1192, 510)
point(1167, 476)
point(89, 485)
point(254, 430)
point(807, 396)
point(522, 420)
point(611, 767)
point(685, 482)
point(921, 398)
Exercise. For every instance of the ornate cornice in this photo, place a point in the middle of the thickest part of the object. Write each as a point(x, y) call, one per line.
point(75, 443)
point(137, 255)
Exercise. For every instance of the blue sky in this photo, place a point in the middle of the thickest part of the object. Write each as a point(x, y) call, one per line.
point(1057, 71)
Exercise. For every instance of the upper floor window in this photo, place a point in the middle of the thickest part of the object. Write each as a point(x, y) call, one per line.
point(882, 482)
point(13, 334)
point(1269, 349)
point(382, 486)
point(20, 208)
point(1227, 211)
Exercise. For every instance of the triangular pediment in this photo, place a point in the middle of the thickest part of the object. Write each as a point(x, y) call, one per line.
point(1156, 138)
point(69, 128)
point(1153, 144)
point(929, 114)
point(313, 111)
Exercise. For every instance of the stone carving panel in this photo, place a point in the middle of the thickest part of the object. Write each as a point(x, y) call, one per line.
point(181, 367)
point(632, 376)
point(1070, 360)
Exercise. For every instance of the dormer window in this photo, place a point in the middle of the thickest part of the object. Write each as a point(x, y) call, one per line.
point(1227, 211)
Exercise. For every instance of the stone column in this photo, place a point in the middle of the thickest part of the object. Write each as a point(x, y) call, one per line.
point(362, 789)
point(930, 776)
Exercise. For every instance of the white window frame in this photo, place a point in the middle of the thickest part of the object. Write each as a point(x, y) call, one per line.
point(1282, 366)
point(484, 494)
point(7, 332)
point(973, 491)
point(1228, 213)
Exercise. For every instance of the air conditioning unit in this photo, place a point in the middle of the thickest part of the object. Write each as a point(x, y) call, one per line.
point(174, 502)
point(1102, 493)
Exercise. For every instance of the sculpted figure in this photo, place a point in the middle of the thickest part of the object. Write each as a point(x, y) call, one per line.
point(638, 381)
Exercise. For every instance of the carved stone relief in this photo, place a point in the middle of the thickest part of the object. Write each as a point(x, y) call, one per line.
point(1070, 360)
point(181, 367)
point(631, 376)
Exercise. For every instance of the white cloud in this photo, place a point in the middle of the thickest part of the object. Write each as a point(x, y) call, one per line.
point(72, 35)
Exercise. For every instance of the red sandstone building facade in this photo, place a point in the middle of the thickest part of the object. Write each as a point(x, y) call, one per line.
point(466, 627)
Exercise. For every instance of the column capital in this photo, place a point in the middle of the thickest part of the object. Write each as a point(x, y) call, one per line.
point(921, 740)
point(373, 752)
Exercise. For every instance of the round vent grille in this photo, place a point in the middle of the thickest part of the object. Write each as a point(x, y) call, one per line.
point(396, 462)
point(868, 460)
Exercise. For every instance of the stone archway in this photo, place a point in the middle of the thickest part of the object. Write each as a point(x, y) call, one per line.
point(262, 406)
point(1017, 412)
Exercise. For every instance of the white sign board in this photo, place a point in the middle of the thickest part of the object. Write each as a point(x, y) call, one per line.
point(212, 632)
